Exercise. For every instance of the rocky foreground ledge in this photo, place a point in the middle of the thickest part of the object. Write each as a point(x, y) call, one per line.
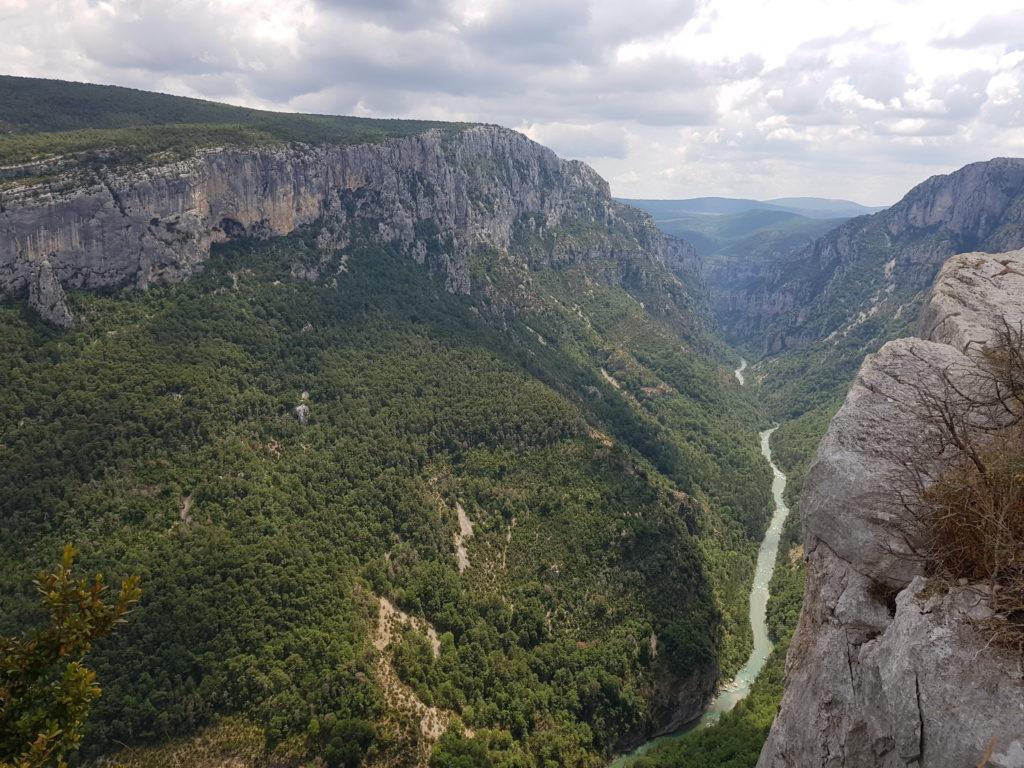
point(881, 670)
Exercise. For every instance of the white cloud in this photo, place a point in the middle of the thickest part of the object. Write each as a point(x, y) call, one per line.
point(761, 98)
point(581, 141)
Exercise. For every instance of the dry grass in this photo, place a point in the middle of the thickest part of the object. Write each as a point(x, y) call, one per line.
point(231, 743)
point(966, 523)
point(972, 525)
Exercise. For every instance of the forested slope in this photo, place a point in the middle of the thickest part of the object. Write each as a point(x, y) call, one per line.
point(605, 460)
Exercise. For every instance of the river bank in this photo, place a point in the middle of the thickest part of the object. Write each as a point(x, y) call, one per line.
point(739, 687)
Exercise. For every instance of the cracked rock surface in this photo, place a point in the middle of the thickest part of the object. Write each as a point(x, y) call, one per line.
point(46, 296)
point(882, 670)
point(973, 294)
point(436, 197)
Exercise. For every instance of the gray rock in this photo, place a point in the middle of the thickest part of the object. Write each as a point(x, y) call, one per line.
point(436, 197)
point(933, 690)
point(880, 671)
point(675, 701)
point(849, 499)
point(46, 296)
point(973, 294)
point(302, 413)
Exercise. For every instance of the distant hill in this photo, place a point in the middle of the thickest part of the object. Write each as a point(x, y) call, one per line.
point(830, 208)
point(811, 207)
point(33, 105)
point(755, 231)
point(877, 269)
point(739, 240)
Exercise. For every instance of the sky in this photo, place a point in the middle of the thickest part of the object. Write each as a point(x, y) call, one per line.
point(665, 98)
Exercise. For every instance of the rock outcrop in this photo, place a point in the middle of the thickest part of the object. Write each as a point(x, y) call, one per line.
point(438, 197)
point(884, 669)
point(46, 296)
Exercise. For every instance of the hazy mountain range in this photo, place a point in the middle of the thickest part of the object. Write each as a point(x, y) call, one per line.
point(811, 207)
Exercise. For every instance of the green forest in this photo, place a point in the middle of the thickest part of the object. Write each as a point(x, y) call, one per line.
point(736, 738)
point(273, 456)
point(360, 520)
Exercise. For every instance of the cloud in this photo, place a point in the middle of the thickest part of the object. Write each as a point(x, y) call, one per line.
point(666, 97)
point(1002, 30)
point(397, 14)
point(1004, 106)
point(581, 141)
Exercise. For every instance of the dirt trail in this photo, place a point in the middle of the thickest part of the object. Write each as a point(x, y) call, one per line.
point(610, 379)
point(185, 513)
point(390, 619)
point(465, 533)
point(433, 722)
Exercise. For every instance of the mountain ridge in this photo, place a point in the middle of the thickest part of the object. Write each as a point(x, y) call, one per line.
point(41, 105)
point(844, 281)
point(433, 195)
point(810, 207)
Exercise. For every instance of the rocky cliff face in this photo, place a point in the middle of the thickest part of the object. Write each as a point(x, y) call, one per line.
point(437, 197)
point(876, 269)
point(737, 299)
point(883, 670)
point(446, 199)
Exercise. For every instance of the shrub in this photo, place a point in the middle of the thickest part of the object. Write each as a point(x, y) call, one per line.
point(45, 689)
point(966, 521)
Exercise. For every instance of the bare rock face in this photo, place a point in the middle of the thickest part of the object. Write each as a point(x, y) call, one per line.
point(974, 294)
point(437, 197)
point(47, 298)
point(878, 266)
point(883, 671)
point(675, 702)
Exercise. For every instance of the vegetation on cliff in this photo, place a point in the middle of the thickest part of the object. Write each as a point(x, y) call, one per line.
point(109, 124)
point(966, 522)
point(275, 455)
point(736, 739)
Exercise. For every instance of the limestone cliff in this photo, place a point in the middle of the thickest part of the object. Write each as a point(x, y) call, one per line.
point(438, 197)
point(873, 272)
point(883, 671)
point(448, 199)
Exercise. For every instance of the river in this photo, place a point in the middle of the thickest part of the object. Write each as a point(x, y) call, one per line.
point(738, 688)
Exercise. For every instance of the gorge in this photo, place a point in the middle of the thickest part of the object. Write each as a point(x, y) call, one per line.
point(736, 689)
point(478, 425)
point(294, 364)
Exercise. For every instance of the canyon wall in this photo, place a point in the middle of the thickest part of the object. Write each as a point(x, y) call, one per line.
point(886, 667)
point(874, 271)
point(437, 197)
point(447, 199)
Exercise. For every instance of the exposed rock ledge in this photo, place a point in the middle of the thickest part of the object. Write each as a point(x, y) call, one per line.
point(876, 682)
point(436, 197)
